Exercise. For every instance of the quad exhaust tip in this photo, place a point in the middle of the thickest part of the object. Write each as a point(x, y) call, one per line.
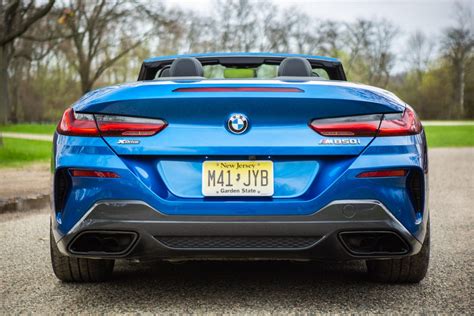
point(103, 242)
point(373, 243)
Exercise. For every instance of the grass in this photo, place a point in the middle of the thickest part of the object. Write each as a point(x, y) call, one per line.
point(450, 136)
point(46, 129)
point(18, 152)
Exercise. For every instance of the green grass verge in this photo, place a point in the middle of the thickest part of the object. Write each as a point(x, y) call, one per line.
point(450, 136)
point(19, 152)
point(47, 129)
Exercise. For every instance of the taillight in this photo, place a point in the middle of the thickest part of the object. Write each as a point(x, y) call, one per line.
point(77, 124)
point(400, 124)
point(396, 124)
point(362, 125)
point(114, 125)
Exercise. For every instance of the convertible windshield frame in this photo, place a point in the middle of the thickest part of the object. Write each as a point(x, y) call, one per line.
point(333, 68)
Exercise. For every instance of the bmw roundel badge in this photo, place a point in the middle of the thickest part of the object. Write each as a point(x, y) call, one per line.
point(237, 123)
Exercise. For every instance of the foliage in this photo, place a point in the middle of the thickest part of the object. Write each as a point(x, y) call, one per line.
point(16, 18)
point(100, 34)
point(431, 92)
point(81, 45)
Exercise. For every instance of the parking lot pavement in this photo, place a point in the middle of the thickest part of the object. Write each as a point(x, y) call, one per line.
point(28, 285)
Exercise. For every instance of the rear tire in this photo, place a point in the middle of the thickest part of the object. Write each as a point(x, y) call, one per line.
point(405, 270)
point(69, 269)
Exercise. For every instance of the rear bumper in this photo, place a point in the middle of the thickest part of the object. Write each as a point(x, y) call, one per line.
point(314, 236)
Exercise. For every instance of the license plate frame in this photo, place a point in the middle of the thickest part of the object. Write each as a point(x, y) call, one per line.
point(258, 174)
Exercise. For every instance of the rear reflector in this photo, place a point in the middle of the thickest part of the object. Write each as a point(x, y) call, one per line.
point(383, 173)
point(93, 173)
point(77, 124)
point(363, 125)
point(238, 89)
point(113, 125)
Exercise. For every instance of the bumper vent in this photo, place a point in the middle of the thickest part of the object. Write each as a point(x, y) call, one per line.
point(62, 183)
point(225, 242)
point(415, 185)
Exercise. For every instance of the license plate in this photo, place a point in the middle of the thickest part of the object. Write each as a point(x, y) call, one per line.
point(237, 178)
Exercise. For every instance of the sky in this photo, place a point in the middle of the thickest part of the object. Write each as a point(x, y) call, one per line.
point(428, 16)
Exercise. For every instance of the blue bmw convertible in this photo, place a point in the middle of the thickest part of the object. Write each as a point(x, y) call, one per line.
point(240, 156)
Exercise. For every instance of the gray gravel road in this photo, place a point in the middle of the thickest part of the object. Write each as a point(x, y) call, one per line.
point(27, 283)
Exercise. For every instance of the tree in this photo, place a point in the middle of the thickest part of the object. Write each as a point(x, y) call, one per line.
point(16, 17)
point(279, 30)
point(370, 57)
point(457, 46)
point(380, 56)
point(419, 53)
point(358, 37)
point(175, 31)
point(100, 33)
point(239, 24)
point(330, 38)
point(302, 31)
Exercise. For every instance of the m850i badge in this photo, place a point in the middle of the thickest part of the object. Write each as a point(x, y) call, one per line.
point(339, 141)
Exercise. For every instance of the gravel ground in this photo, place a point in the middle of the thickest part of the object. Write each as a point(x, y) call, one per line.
point(23, 182)
point(27, 284)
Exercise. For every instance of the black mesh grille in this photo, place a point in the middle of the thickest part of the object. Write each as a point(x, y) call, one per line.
point(227, 242)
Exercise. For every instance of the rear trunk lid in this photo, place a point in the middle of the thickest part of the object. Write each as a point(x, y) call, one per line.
point(304, 162)
point(278, 121)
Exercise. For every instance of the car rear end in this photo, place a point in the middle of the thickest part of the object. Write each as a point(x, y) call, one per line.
point(323, 170)
point(254, 169)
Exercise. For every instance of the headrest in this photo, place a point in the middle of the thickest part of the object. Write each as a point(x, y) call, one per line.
point(295, 67)
point(165, 72)
point(186, 67)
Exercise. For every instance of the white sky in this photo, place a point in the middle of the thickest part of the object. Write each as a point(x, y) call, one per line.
point(429, 16)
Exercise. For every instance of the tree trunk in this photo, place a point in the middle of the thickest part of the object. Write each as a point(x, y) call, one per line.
point(13, 98)
point(459, 74)
point(4, 97)
point(460, 93)
point(86, 84)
